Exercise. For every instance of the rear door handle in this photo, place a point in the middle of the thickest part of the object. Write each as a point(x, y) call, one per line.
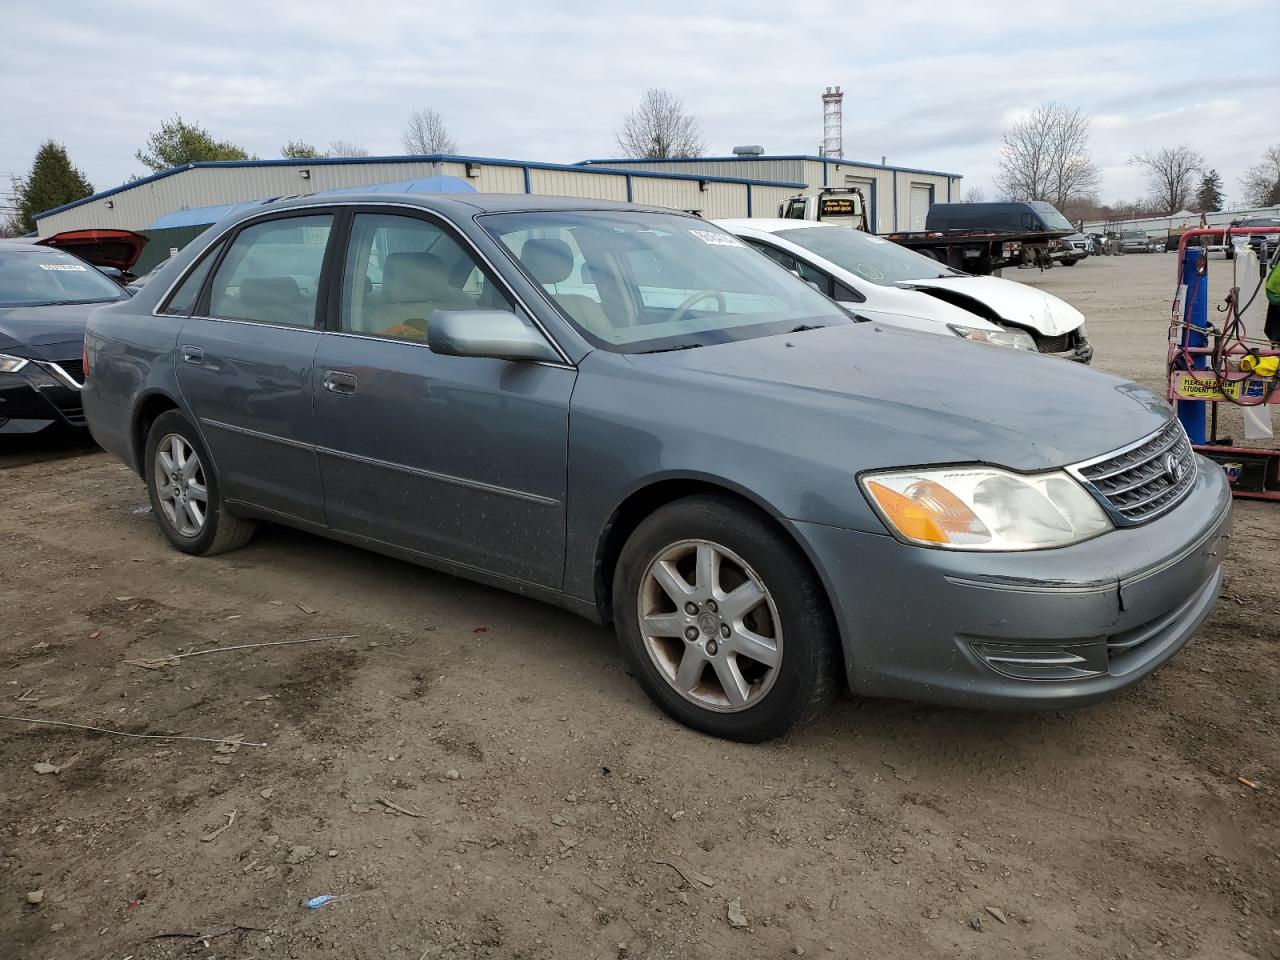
point(192, 354)
point(338, 381)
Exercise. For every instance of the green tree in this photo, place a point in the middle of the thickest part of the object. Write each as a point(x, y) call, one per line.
point(178, 142)
point(1209, 194)
point(52, 182)
point(297, 150)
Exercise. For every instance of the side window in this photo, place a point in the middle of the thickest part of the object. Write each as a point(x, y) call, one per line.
point(271, 272)
point(842, 294)
point(776, 255)
point(815, 276)
point(183, 300)
point(400, 269)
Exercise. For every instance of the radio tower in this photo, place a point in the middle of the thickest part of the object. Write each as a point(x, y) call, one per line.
point(833, 123)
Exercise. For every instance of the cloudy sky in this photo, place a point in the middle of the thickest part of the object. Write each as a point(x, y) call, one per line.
point(929, 83)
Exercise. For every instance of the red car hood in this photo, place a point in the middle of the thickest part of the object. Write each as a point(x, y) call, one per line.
point(102, 248)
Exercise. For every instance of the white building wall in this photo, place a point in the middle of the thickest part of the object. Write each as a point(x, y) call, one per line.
point(887, 188)
point(563, 183)
point(136, 208)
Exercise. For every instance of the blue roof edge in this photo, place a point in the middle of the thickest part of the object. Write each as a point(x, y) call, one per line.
point(416, 158)
point(780, 156)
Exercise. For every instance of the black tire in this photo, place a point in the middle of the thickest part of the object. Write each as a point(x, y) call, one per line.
point(221, 530)
point(1069, 263)
point(806, 676)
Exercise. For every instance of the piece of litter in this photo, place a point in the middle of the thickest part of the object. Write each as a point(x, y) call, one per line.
point(95, 635)
point(315, 903)
point(136, 736)
point(735, 914)
point(399, 809)
point(230, 745)
point(305, 609)
point(124, 599)
point(214, 834)
point(27, 698)
point(997, 913)
point(141, 511)
point(1251, 784)
point(689, 875)
point(43, 768)
point(480, 630)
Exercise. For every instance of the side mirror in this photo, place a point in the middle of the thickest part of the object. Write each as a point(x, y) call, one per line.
point(496, 334)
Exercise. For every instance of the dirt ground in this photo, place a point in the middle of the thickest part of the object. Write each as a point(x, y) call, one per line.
point(475, 775)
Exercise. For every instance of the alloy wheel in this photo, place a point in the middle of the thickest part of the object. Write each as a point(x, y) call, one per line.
point(710, 625)
point(180, 485)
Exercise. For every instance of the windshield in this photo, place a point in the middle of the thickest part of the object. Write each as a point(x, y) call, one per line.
point(871, 258)
point(1051, 217)
point(644, 282)
point(1134, 235)
point(41, 276)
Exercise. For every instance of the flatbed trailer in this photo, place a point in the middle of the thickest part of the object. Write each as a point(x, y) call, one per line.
point(981, 251)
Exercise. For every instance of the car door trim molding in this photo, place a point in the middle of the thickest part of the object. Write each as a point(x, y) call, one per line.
point(418, 212)
point(442, 477)
point(257, 434)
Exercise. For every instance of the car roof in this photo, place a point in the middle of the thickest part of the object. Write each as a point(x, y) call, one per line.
point(459, 204)
point(768, 224)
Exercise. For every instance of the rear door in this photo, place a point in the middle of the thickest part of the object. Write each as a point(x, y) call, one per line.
point(457, 458)
point(245, 362)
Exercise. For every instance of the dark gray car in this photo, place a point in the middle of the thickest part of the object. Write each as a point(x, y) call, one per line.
point(630, 413)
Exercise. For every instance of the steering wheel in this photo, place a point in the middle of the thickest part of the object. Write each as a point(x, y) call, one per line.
point(682, 311)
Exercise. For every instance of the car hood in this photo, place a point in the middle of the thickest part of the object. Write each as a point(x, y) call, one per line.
point(54, 332)
point(916, 309)
point(1014, 302)
point(931, 399)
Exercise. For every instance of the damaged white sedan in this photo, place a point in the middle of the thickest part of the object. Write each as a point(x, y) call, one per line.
point(876, 279)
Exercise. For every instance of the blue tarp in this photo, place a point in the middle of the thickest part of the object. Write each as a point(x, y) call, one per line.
point(201, 216)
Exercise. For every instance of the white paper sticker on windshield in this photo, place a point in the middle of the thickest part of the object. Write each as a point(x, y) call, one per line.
point(61, 266)
point(717, 239)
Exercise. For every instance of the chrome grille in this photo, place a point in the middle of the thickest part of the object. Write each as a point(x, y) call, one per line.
point(1144, 480)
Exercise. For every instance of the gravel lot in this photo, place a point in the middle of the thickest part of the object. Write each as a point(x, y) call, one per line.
point(478, 777)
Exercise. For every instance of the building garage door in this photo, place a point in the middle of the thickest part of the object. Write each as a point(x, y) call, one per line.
point(921, 198)
point(868, 188)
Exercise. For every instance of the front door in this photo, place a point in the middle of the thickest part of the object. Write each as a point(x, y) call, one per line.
point(245, 364)
point(459, 458)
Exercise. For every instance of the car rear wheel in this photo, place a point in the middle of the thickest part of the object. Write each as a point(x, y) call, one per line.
point(184, 491)
point(723, 621)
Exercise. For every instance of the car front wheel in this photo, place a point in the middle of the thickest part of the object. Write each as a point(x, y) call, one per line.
point(184, 491)
point(724, 623)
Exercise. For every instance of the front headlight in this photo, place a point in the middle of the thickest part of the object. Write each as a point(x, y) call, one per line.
point(12, 364)
point(984, 508)
point(1004, 337)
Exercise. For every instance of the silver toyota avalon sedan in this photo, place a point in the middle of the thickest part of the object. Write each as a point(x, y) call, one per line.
point(630, 413)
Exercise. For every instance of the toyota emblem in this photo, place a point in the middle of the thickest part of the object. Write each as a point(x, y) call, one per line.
point(1173, 468)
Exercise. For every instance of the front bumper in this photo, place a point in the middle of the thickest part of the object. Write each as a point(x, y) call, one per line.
point(1037, 630)
point(33, 399)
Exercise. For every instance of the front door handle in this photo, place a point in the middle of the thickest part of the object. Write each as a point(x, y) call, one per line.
point(192, 354)
point(338, 381)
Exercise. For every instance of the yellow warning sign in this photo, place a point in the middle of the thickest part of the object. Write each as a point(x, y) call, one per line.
point(1205, 386)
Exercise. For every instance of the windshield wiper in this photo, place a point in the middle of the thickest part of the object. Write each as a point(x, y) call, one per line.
point(807, 326)
point(687, 346)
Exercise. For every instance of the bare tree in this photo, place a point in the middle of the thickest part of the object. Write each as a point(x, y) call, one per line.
point(345, 148)
point(659, 128)
point(975, 195)
point(1045, 156)
point(1170, 175)
point(427, 133)
point(1261, 182)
